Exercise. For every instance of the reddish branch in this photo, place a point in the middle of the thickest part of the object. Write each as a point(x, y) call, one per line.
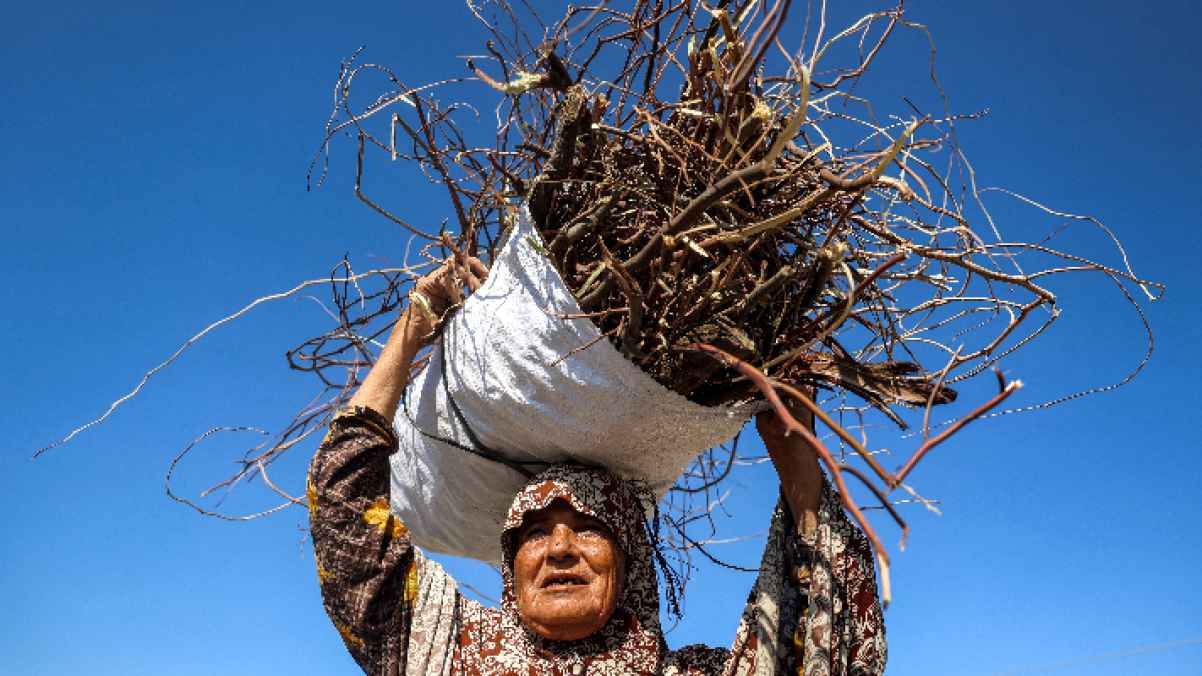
point(769, 388)
point(1005, 390)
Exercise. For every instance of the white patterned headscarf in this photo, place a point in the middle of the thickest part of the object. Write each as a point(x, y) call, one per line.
point(631, 639)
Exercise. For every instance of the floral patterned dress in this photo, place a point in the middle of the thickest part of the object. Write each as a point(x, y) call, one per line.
point(813, 609)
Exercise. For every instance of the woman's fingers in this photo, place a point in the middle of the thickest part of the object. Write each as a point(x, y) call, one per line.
point(439, 287)
point(478, 268)
point(445, 283)
point(448, 284)
point(458, 270)
point(469, 269)
point(466, 276)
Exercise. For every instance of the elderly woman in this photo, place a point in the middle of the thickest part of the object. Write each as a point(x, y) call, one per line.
point(580, 595)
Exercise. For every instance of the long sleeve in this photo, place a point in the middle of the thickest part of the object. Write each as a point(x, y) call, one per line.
point(813, 610)
point(365, 559)
point(841, 629)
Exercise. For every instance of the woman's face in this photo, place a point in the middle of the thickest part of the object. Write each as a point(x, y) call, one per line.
point(568, 572)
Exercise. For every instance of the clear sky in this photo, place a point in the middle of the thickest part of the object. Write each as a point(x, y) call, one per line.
point(153, 179)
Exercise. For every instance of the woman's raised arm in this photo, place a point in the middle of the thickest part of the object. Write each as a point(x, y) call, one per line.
point(366, 563)
point(364, 553)
point(840, 630)
point(432, 295)
point(796, 466)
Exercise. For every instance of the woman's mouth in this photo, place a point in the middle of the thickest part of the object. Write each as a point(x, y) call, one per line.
point(563, 581)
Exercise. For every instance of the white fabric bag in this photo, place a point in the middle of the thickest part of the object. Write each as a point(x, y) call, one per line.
point(501, 362)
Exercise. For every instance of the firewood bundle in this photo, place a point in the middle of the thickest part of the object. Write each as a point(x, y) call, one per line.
point(717, 221)
point(738, 217)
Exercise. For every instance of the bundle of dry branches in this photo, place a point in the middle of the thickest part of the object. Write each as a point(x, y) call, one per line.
point(725, 219)
point(728, 213)
point(721, 211)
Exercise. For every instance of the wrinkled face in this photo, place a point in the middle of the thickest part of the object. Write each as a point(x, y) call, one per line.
point(568, 573)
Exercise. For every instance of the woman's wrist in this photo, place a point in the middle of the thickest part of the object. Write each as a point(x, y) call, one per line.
point(413, 331)
point(428, 304)
point(381, 389)
point(422, 313)
point(800, 483)
point(796, 463)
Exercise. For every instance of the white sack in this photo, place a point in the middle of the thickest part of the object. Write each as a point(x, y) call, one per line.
point(519, 396)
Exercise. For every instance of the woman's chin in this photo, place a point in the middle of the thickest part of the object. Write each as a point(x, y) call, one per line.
point(565, 614)
point(568, 632)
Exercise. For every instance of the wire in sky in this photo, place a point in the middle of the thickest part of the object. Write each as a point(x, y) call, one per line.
point(1104, 657)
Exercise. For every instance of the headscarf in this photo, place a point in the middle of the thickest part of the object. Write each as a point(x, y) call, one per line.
point(631, 641)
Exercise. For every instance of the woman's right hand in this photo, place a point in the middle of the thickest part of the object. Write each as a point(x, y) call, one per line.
point(432, 296)
point(441, 289)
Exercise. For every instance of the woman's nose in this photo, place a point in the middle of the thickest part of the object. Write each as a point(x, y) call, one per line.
point(563, 541)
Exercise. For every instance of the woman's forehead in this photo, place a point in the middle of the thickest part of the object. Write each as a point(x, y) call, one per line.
point(590, 493)
point(559, 509)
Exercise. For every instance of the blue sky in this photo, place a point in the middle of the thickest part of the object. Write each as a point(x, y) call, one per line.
point(153, 180)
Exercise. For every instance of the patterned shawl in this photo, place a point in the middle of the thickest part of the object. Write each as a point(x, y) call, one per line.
point(492, 641)
point(813, 609)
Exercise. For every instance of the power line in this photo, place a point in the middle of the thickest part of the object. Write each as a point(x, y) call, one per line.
point(1103, 657)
